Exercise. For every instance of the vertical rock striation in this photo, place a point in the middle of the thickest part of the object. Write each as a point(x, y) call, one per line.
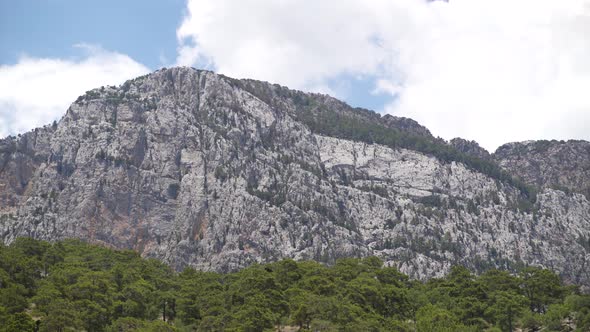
point(198, 169)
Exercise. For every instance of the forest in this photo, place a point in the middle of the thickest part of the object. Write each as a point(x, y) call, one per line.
point(75, 286)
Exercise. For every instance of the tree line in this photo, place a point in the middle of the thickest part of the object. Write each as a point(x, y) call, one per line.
point(370, 129)
point(74, 286)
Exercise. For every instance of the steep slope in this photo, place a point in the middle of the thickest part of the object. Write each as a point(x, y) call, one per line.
point(549, 164)
point(19, 159)
point(199, 169)
point(470, 148)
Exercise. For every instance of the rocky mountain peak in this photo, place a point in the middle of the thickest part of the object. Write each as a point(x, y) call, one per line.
point(408, 125)
point(563, 165)
point(470, 148)
point(199, 169)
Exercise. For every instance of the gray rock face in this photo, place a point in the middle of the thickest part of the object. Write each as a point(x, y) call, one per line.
point(199, 169)
point(549, 164)
point(470, 147)
point(407, 125)
point(19, 159)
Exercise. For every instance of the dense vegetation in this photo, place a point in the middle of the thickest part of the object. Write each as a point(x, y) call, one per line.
point(71, 285)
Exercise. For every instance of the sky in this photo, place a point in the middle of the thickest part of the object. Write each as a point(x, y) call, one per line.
point(491, 71)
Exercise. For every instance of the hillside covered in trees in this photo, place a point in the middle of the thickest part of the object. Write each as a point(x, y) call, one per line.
point(71, 285)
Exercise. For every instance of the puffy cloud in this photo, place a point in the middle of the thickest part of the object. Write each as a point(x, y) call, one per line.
point(493, 71)
point(36, 91)
point(496, 71)
point(298, 43)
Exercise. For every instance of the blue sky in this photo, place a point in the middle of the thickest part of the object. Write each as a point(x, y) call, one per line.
point(143, 29)
point(461, 68)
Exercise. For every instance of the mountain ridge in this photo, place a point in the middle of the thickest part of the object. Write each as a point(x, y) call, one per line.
point(198, 169)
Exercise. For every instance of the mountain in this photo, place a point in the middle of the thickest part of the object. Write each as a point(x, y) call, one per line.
point(549, 164)
point(199, 169)
point(470, 148)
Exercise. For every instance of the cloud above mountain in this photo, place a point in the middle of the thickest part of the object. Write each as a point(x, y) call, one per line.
point(36, 91)
point(493, 71)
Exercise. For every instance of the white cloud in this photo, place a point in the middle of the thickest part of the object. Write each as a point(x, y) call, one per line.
point(299, 43)
point(36, 91)
point(493, 71)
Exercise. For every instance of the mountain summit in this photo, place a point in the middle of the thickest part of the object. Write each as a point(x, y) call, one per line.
point(199, 169)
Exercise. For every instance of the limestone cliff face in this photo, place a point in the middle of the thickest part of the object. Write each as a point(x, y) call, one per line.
point(470, 147)
point(549, 164)
point(407, 125)
point(199, 169)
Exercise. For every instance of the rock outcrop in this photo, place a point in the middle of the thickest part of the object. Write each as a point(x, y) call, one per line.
point(470, 148)
point(198, 169)
point(407, 125)
point(563, 165)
